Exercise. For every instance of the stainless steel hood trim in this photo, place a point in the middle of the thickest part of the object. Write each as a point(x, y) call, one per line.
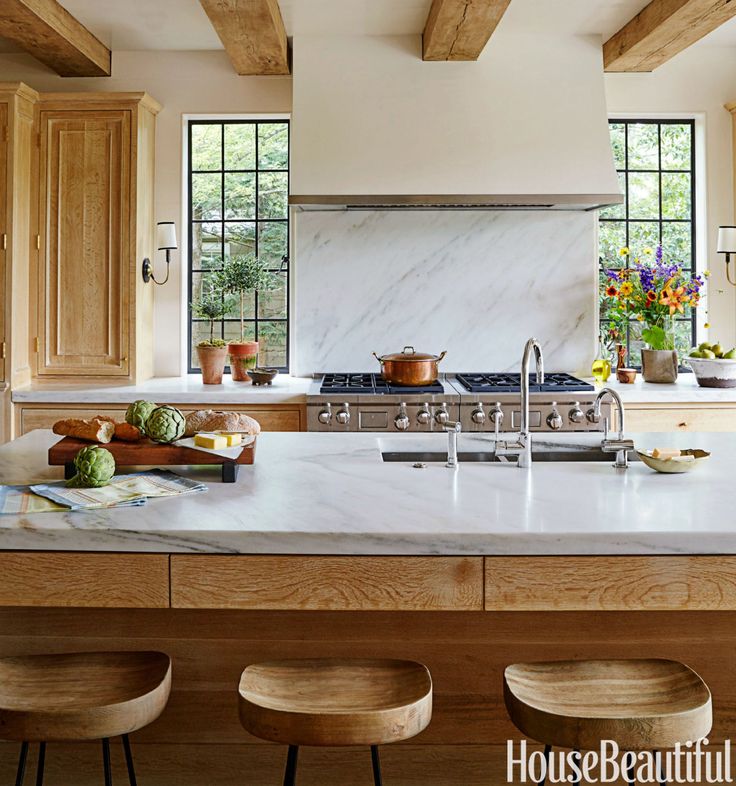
point(577, 202)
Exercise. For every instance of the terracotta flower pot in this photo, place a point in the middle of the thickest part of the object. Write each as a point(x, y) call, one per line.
point(242, 358)
point(212, 363)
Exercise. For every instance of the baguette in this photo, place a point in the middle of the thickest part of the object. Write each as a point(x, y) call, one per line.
point(93, 430)
point(127, 432)
point(210, 420)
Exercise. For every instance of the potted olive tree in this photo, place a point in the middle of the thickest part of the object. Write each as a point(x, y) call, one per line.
point(212, 353)
point(243, 274)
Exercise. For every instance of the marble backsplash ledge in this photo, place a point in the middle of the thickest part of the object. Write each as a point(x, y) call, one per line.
point(477, 284)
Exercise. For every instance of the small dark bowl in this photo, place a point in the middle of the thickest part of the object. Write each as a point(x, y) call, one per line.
point(263, 376)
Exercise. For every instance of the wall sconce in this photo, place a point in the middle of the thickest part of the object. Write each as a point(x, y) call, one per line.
point(165, 241)
point(727, 246)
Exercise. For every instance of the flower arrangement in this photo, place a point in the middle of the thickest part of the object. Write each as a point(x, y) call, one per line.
point(651, 290)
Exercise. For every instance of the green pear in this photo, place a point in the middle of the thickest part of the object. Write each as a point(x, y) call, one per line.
point(704, 345)
point(717, 350)
point(709, 354)
point(730, 355)
point(695, 354)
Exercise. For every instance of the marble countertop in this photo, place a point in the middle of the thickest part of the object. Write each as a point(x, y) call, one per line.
point(169, 390)
point(685, 391)
point(322, 493)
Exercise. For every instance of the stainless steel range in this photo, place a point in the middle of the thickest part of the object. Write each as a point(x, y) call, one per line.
point(482, 402)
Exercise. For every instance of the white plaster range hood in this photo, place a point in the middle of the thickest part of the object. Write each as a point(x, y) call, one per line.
point(523, 128)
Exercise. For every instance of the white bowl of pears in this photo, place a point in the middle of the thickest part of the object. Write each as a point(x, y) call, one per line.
point(713, 366)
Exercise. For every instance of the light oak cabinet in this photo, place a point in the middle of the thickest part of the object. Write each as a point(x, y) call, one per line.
point(16, 133)
point(680, 417)
point(273, 417)
point(95, 225)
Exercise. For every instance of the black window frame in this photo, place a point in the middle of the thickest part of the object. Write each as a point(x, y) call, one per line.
point(256, 221)
point(692, 221)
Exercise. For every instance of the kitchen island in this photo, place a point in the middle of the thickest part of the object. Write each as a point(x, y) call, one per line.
point(321, 548)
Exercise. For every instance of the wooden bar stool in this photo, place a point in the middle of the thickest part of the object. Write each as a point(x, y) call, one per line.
point(80, 696)
point(333, 702)
point(643, 705)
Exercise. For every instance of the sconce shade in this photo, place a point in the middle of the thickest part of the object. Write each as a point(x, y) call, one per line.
point(727, 240)
point(166, 235)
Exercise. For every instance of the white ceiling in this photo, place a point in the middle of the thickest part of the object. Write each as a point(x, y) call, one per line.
point(183, 25)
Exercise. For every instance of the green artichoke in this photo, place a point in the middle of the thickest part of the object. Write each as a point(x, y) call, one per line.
point(95, 467)
point(165, 424)
point(138, 413)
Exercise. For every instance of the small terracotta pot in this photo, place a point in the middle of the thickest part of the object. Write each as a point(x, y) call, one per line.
point(212, 363)
point(242, 358)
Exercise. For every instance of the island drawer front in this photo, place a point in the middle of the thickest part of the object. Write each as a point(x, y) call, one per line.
point(31, 419)
point(327, 583)
point(681, 419)
point(72, 579)
point(689, 583)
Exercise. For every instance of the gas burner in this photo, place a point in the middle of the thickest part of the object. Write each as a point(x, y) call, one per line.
point(511, 383)
point(371, 384)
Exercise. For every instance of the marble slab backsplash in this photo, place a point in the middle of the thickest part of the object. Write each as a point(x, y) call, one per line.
point(477, 284)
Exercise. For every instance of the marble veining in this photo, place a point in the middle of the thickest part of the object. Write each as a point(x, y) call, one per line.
point(322, 493)
point(476, 284)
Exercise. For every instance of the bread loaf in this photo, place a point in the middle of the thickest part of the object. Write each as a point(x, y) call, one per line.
point(127, 432)
point(212, 420)
point(94, 429)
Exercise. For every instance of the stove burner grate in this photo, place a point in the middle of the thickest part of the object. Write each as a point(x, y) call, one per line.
point(371, 384)
point(510, 382)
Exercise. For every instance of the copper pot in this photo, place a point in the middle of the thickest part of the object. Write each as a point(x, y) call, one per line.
point(409, 367)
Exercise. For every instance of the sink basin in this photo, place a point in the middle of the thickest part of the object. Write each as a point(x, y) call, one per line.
point(543, 456)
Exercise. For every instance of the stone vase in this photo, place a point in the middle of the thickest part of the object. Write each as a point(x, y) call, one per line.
point(659, 365)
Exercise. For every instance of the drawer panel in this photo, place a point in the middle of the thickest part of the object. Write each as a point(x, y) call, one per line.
point(32, 418)
point(31, 578)
point(328, 583)
point(681, 419)
point(610, 583)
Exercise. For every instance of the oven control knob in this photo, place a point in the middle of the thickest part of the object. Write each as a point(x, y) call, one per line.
point(576, 414)
point(325, 416)
point(401, 421)
point(497, 414)
point(424, 416)
point(592, 417)
point(478, 415)
point(554, 419)
point(343, 416)
point(442, 416)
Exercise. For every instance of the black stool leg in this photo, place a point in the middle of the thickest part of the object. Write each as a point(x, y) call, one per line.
point(376, 761)
point(41, 759)
point(21, 764)
point(106, 761)
point(547, 749)
point(290, 774)
point(129, 761)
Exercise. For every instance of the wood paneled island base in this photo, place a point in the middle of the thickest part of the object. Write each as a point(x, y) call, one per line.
point(198, 741)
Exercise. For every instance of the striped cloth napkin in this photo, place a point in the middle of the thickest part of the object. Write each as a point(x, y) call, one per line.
point(122, 491)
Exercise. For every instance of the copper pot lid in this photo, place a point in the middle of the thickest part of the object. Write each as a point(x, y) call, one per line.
point(410, 354)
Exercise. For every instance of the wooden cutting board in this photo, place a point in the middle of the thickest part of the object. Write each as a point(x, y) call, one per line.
point(151, 454)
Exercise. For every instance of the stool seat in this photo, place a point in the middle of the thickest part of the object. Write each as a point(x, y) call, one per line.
point(641, 704)
point(81, 696)
point(330, 702)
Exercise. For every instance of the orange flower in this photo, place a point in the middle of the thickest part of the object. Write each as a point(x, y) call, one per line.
point(651, 295)
point(673, 298)
point(611, 291)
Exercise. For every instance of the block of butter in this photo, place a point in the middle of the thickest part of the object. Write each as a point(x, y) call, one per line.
point(211, 441)
point(233, 438)
point(665, 453)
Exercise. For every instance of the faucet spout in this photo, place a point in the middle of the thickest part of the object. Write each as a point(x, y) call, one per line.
point(532, 346)
point(620, 446)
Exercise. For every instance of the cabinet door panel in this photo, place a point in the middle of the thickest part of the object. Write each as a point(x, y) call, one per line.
point(3, 231)
point(85, 176)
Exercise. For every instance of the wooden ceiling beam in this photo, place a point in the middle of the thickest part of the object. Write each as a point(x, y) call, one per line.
point(459, 29)
point(253, 34)
point(663, 29)
point(46, 30)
